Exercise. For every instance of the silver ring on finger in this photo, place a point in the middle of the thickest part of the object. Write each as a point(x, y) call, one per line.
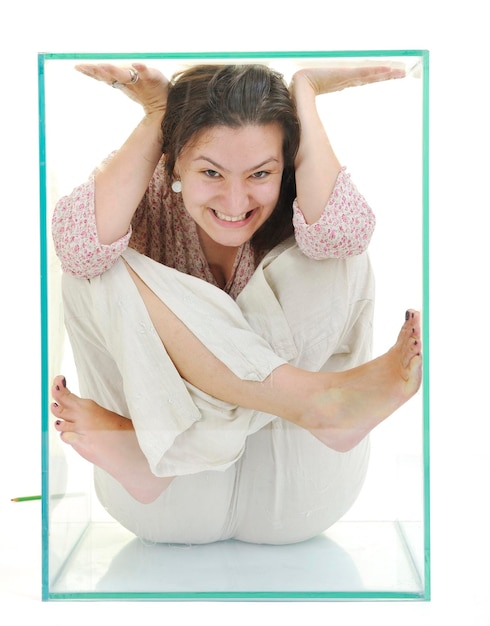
point(134, 76)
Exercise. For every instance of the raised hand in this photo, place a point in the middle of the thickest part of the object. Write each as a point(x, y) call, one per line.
point(317, 166)
point(146, 86)
point(330, 79)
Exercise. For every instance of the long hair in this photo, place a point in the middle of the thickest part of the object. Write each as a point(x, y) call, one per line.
point(206, 96)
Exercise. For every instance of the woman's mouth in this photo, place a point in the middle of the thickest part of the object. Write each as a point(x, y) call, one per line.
point(232, 218)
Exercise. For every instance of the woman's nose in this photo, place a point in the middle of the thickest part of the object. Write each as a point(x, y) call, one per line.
point(236, 198)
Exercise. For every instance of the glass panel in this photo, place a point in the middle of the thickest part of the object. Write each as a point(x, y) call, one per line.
point(380, 548)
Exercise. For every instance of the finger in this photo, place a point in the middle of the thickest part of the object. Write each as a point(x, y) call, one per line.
point(142, 69)
point(150, 74)
point(379, 73)
point(102, 72)
point(123, 76)
point(108, 73)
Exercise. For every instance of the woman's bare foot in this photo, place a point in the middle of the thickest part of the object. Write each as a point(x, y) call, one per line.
point(355, 401)
point(107, 440)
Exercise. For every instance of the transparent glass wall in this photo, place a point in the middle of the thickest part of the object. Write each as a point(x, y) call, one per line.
point(380, 548)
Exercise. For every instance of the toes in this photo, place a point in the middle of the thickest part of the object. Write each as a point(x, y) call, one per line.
point(64, 426)
point(411, 328)
point(56, 409)
point(72, 439)
point(65, 403)
point(62, 396)
point(414, 345)
point(59, 382)
point(412, 319)
point(68, 431)
point(60, 410)
point(58, 388)
point(409, 340)
point(410, 350)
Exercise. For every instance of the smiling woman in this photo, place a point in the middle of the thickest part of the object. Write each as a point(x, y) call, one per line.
point(222, 327)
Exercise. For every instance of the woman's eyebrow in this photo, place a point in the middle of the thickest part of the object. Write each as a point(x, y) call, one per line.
point(203, 157)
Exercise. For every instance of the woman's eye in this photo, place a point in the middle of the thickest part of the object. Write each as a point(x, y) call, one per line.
point(211, 173)
point(261, 174)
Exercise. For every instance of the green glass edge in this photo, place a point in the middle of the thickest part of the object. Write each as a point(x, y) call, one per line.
point(424, 54)
point(242, 595)
point(229, 55)
point(44, 331)
point(426, 322)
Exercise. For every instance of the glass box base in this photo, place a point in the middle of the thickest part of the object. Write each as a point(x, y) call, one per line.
point(351, 560)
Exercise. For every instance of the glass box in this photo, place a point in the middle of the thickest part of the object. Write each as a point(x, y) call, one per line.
point(381, 548)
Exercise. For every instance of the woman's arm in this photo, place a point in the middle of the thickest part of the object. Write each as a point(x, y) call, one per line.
point(317, 167)
point(121, 183)
point(75, 237)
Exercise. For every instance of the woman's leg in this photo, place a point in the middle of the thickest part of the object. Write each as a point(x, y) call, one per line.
point(338, 408)
point(122, 366)
point(292, 487)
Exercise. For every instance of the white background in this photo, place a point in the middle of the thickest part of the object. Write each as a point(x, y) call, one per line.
point(456, 38)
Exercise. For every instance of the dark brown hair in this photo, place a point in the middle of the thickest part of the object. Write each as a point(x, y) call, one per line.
point(206, 96)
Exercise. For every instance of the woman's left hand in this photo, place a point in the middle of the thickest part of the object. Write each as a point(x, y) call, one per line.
point(335, 78)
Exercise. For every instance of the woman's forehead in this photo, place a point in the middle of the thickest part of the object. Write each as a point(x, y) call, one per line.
point(261, 136)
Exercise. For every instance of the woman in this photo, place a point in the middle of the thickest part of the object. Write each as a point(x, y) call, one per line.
point(227, 392)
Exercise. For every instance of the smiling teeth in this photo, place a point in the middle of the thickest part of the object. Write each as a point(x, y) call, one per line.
point(229, 218)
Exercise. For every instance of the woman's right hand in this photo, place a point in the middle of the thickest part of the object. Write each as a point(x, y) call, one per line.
point(150, 90)
point(121, 182)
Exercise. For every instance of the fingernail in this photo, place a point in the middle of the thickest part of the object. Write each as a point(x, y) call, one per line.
point(63, 381)
point(58, 422)
point(407, 316)
point(55, 404)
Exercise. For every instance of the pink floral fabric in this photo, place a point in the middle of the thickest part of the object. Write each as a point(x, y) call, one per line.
point(163, 230)
point(344, 228)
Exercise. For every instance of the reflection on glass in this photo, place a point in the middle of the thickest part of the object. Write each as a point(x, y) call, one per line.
point(251, 493)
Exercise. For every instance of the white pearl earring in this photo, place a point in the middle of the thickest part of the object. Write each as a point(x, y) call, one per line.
point(177, 186)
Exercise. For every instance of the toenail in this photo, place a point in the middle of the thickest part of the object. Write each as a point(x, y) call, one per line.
point(63, 381)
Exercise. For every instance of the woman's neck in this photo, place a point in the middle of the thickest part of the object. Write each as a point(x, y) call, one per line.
point(221, 259)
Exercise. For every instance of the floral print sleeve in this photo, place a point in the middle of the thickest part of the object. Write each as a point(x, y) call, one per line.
point(344, 228)
point(75, 235)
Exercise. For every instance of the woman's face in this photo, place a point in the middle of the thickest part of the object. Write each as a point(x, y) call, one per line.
point(231, 178)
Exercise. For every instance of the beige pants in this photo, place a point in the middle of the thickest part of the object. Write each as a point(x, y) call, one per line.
point(240, 473)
